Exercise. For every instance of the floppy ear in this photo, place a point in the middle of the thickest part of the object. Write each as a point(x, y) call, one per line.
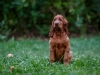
point(65, 26)
point(51, 30)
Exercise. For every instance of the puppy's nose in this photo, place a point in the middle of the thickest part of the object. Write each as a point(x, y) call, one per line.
point(56, 24)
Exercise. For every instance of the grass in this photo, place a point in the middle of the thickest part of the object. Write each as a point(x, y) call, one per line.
point(31, 57)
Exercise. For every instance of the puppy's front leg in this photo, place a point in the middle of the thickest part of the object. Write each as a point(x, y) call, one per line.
point(67, 56)
point(52, 55)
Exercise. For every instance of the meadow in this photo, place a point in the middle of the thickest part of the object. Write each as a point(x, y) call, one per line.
point(31, 57)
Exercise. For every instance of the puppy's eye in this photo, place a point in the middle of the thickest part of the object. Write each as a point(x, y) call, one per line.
point(60, 19)
point(54, 19)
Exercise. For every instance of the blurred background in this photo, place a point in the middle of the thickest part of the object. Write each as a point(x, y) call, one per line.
point(32, 18)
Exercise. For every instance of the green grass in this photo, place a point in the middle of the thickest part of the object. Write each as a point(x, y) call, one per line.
point(31, 57)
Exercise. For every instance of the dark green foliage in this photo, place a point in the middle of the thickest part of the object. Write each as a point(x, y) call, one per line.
point(33, 17)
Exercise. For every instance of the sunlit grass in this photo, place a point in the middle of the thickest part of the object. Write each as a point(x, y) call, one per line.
point(31, 57)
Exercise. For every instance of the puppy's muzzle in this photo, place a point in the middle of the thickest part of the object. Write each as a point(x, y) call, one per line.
point(56, 24)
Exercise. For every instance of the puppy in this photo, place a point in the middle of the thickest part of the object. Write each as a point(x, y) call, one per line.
point(59, 41)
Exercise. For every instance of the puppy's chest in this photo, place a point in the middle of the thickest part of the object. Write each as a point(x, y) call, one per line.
point(59, 44)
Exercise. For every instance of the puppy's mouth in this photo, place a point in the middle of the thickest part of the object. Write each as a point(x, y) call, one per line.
point(57, 28)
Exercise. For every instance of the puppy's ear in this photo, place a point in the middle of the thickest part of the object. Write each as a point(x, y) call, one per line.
point(51, 33)
point(65, 26)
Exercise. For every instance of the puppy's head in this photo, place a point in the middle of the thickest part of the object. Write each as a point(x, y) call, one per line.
point(58, 23)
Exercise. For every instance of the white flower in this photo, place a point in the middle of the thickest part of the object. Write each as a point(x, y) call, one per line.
point(11, 68)
point(10, 55)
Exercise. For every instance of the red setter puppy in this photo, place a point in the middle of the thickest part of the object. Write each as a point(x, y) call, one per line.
point(59, 41)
